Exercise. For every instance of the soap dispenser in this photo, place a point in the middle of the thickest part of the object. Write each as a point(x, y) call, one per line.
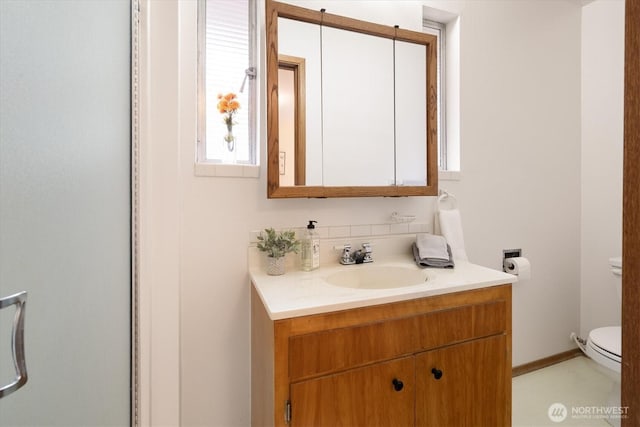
point(310, 248)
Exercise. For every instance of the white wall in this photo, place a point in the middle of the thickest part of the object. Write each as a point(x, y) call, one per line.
point(520, 187)
point(602, 147)
point(520, 133)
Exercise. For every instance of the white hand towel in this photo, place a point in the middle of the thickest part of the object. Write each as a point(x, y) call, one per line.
point(451, 229)
point(432, 246)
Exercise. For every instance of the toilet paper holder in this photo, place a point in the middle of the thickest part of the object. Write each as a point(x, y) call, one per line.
point(509, 253)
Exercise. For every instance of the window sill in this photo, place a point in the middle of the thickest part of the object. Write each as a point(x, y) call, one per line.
point(449, 175)
point(225, 170)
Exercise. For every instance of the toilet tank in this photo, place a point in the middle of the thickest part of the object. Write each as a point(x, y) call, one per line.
point(615, 264)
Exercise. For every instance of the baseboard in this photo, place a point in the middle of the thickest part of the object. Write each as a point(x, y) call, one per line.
point(544, 362)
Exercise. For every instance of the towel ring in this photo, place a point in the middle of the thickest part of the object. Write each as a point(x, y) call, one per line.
point(445, 195)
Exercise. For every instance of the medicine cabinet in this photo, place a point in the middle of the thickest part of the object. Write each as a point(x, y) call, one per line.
point(351, 107)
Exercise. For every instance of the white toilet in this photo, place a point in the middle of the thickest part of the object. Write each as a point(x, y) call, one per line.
point(604, 345)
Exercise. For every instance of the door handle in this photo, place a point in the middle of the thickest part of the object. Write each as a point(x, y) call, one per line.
point(17, 342)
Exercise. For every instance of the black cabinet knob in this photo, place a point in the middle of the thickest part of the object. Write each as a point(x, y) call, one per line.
point(437, 373)
point(397, 384)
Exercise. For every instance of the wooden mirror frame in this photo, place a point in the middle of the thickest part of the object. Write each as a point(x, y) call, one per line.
point(275, 10)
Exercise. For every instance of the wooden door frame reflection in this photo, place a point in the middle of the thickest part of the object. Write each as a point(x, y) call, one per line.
point(297, 66)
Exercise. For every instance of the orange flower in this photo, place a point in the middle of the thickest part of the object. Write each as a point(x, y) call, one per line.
point(228, 104)
point(223, 106)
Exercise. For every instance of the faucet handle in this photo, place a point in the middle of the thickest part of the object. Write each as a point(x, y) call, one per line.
point(368, 252)
point(346, 257)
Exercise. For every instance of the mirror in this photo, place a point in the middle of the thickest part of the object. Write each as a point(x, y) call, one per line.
point(358, 109)
point(335, 128)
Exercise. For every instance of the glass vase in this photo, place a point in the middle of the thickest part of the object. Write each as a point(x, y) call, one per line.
point(230, 139)
point(230, 144)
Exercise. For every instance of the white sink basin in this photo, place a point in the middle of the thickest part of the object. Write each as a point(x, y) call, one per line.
point(376, 277)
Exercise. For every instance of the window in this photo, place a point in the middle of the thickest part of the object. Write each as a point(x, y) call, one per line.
point(445, 26)
point(226, 65)
point(439, 30)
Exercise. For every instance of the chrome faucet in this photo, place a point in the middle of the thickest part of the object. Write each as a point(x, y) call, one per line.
point(360, 256)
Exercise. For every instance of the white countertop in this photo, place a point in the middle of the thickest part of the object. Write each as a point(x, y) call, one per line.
point(301, 293)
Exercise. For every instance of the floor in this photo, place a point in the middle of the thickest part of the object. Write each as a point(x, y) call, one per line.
point(577, 384)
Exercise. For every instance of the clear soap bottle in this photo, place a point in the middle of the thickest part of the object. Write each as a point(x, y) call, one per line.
point(310, 248)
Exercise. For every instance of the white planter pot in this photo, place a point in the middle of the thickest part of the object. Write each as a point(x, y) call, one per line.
point(275, 266)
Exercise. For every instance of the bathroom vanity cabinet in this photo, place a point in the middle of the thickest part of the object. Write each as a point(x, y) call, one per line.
point(433, 361)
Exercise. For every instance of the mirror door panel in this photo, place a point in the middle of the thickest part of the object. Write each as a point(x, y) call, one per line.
point(358, 109)
point(411, 113)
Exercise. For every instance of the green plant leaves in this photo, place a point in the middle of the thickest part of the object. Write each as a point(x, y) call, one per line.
point(277, 245)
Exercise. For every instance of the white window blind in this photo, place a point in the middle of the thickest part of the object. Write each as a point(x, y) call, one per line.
point(225, 59)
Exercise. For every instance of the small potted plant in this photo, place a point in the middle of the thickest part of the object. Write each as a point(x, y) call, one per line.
point(277, 245)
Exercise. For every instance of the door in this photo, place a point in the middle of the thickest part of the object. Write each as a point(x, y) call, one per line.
point(374, 396)
point(65, 209)
point(464, 385)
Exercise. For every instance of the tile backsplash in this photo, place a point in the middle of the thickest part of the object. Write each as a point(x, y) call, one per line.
point(357, 231)
point(386, 240)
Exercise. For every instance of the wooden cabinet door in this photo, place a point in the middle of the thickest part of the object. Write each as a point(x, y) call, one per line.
point(363, 397)
point(464, 385)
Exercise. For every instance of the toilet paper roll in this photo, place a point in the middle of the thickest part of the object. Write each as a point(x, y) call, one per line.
point(520, 266)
